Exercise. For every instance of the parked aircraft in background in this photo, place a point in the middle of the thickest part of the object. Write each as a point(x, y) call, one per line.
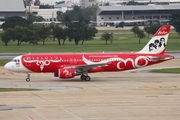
point(1, 23)
point(47, 23)
point(123, 22)
point(69, 65)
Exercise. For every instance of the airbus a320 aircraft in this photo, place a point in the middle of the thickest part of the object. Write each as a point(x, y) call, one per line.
point(69, 65)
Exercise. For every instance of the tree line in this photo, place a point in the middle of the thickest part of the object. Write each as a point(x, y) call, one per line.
point(75, 28)
point(22, 31)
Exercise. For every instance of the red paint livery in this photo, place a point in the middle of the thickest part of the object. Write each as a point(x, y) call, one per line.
point(70, 65)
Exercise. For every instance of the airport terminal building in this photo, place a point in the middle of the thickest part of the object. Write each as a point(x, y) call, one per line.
point(149, 13)
point(10, 8)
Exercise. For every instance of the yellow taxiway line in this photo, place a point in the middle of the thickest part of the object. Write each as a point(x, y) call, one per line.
point(159, 87)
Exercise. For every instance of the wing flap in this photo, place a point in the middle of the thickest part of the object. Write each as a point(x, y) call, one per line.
point(87, 66)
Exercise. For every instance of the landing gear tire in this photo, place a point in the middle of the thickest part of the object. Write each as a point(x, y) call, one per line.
point(87, 78)
point(83, 77)
point(27, 79)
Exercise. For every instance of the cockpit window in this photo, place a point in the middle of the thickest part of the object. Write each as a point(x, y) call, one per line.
point(16, 60)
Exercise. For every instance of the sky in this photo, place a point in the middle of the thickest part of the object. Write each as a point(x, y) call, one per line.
point(53, 1)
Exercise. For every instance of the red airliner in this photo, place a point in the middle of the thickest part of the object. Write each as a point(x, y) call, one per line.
point(69, 65)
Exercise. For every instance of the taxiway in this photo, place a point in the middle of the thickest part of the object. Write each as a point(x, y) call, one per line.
point(108, 96)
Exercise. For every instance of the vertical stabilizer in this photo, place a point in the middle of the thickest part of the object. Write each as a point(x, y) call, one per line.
point(158, 42)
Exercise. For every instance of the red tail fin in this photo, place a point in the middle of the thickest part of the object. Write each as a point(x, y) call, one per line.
point(158, 42)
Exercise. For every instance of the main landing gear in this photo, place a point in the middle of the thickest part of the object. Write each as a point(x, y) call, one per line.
point(85, 77)
point(28, 77)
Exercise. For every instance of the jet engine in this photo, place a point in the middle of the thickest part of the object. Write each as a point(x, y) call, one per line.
point(66, 73)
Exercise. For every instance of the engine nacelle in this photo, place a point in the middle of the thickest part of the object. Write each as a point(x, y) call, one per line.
point(66, 73)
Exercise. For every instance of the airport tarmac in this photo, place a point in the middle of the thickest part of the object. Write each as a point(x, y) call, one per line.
point(108, 96)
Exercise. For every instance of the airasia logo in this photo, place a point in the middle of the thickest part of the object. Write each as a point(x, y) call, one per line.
point(67, 73)
point(162, 32)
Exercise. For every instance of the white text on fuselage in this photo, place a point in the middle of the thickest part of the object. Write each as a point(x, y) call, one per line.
point(102, 56)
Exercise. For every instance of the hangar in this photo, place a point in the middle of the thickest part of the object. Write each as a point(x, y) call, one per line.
point(131, 14)
point(10, 8)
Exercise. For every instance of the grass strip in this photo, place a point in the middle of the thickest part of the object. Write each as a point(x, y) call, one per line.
point(3, 62)
point(121, 42)
point(16, 89)
point(168, 70)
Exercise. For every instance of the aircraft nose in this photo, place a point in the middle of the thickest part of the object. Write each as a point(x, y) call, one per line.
point(8, 66)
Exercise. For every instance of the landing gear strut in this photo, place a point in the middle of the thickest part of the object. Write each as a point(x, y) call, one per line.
point(28, 77)
point(85, 77)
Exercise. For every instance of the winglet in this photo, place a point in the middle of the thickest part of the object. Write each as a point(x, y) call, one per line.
point(158, 42)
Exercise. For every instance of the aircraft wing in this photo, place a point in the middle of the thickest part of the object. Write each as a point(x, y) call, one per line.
point(125, 21)
point(113, 21)
point(90, 64)
point(86, 67)
point(132, 21)
point(1, 23)
point(48, 22)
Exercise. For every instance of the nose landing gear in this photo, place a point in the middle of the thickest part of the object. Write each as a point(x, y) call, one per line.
point(28, 77)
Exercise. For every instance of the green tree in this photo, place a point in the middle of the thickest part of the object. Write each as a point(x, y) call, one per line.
point(51, 28)
point(88, 33)
point(146, 29)
point(175, 21)
point(64, 35)
point(37, 2)
point(140, 35)
point(58, 33)
point(42, 32)
point(91, 11)
point(12, 22)
point(135, 30)
point(5, 37)
point(76, 15)
point(23, 34)
point(28, 2)
point(65, 18)
point(81, 15)
point(33, 18)
point(107, 36)
point(153, 28)
point(132, 2)
point(32, 26)
point(75, 32)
